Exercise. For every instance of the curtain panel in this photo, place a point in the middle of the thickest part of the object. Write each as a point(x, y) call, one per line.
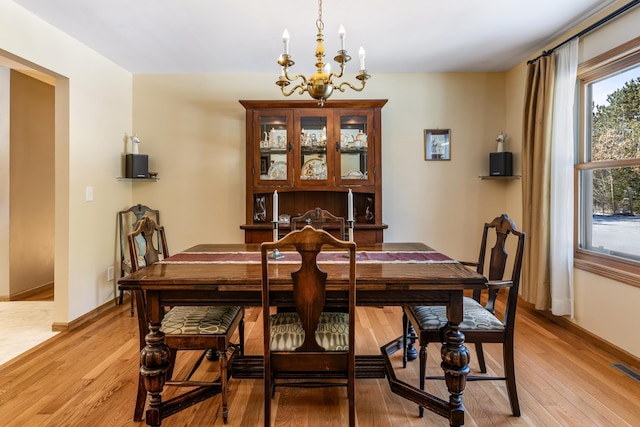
point(562, 179)
point(536, 175)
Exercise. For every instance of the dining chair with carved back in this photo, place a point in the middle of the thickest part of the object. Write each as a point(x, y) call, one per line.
point(309, 346)
point(128, 220)
point(208, 329)
point(481, 324)
point(321, 219)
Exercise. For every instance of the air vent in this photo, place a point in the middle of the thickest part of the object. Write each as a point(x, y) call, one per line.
point(627, 371)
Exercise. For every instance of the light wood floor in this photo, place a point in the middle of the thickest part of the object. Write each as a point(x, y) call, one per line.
point(88, 377)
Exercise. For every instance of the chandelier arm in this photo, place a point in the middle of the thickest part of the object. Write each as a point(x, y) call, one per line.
point(341, 73)
point(301, 86)
point(295, 77)
point(357, 89)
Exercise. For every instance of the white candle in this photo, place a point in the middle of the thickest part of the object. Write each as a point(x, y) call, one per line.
point(350, 206)
point(275, 215)
point(285, 40)
point(361, 55)
point(341, 33)
point(275, 205)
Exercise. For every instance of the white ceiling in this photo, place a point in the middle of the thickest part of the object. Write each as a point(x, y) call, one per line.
point(245, 36)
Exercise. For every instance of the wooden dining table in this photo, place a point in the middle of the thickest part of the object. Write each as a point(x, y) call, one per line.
point(387, 274)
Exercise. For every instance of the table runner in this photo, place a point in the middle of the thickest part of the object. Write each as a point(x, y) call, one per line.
point(375, 257)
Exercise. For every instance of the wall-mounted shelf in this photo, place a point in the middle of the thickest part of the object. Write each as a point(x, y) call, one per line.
point(122, 178)
point(500, 177)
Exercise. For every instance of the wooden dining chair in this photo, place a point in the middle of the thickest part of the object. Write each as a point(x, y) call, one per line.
point(128, 220)
point(206, 328)
point(480, 324)
point(321, 219)
point(308, 347)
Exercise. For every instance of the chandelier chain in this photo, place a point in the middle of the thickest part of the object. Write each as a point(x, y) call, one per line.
point(319, 22)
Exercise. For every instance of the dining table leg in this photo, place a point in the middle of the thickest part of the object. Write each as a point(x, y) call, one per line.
point(154, 365)
point(455, 360)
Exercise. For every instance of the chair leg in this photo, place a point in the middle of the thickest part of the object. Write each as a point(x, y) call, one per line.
point(172, 362)
point(405, 332)
point(480, 356)
point(351, 393)
point(121, 298)
point(132, 297)
point(510, 376)
point(241, 335)
point(267, 399)
point(423, 372)
point(141, 400)
point(222, 355)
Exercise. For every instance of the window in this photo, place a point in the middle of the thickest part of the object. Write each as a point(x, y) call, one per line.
point(608, 170)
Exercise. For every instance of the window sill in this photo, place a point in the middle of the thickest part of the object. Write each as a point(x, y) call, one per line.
point(619, 270)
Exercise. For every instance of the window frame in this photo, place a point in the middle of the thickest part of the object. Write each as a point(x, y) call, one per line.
point(617, 59)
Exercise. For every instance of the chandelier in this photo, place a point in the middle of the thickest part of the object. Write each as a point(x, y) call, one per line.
point(320, 85)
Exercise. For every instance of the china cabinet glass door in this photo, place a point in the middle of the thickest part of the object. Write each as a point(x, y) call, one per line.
point(275, 149)
point(354, 148)
point(314, 132)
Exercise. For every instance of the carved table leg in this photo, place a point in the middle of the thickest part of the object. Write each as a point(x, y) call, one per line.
point(455, 363)
point(154, 364)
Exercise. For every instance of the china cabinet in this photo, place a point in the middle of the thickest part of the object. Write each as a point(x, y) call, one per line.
point(312, 157)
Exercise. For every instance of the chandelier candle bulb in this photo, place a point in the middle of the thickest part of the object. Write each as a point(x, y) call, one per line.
point(350, 206)
point(341, 33)
point(285, 40)
point(361, 55)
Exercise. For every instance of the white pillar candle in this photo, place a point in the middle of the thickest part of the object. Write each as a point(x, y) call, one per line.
point(350, 214)
point(275, 205)
point(275, 216)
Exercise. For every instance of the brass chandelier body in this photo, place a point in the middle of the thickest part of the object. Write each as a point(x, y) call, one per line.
point(320, 85)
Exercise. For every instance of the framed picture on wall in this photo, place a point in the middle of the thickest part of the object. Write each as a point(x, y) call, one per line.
point(437, 144)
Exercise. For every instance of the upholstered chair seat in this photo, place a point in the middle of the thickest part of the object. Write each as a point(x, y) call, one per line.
point(332, 332)
point(188, 320)
point(476, 316)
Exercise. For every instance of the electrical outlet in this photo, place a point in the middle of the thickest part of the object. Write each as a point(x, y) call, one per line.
point(110, 273)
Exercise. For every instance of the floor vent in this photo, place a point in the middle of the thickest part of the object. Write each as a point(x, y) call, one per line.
point(627, 371)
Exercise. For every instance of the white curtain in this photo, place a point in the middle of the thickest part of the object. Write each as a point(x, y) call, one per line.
point(562, 179)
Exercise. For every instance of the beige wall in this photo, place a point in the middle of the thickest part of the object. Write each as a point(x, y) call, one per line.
point(31, 181)
point(603, 307)
point(93, 113)
point(193, 128)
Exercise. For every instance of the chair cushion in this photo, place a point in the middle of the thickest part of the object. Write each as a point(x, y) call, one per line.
point(332, 332)
point(476, 317)
point(197, 320)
